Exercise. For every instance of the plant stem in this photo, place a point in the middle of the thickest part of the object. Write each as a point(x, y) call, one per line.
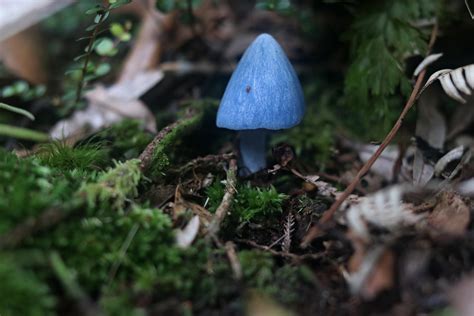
point(22, 133)
point(317, 229)
point(81, 83)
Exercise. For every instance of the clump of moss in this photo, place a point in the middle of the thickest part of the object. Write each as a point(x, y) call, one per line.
point(27, 188)
point(63, 157)
point(115, 186)
point(250, 203)
point(20, 286)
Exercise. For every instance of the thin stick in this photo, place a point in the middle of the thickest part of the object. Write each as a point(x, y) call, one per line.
point(314, 256)
point(226, 202)
point(234, 260)
point(316, 230)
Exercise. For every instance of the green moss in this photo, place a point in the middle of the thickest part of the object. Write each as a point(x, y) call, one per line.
point(21, 292)
point(65, 158)
point(114, 186)
point(27, 188)
point(249, 204)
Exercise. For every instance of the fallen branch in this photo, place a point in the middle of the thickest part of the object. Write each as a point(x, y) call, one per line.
point(318, 229)
point(226, 202)
point(200, 162)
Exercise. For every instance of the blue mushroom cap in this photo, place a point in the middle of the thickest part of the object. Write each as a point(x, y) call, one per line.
point(263, 92)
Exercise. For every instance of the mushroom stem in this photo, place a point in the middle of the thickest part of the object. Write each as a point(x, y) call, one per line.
point(253, 145)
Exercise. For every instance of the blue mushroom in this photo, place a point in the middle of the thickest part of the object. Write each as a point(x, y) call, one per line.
point(263, 94)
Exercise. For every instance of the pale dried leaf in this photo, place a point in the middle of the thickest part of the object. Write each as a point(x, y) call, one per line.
point(383, 209)
point(469, 73)
point(17, 15)
point(111, 105)
point(426, 62)
point(472, 16)
point(423, 172)
point(466, 188)
point(452, 155)
point(384, 165)
point(459, 81)
point(450, 215)
point(460, 296)
point(185, 237)
point(453, 81)
point(450, 88)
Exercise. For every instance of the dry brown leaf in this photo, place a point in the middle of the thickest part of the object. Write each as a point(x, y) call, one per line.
point(450, 215)
point(22, 55)
point(371, 271)
point(381, 277)
point(181, 205)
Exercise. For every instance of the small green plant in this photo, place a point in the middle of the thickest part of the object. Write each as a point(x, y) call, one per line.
point(103, 46)
point(250, 203)
point(381, 37)
point(23, 90)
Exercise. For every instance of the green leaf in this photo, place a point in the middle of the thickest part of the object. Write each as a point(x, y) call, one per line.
point(17, 110)
point(105, 47)
point(102, 69)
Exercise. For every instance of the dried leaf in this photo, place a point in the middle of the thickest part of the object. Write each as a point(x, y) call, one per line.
point(16, 15)
point(453, 81)
point(382, 276)
point(181, 206)
point(452, 155)
point(111, 105)
point(450, 215)
point(423, 172)
point(426, 62)
point(23, 56)
point(383, 209)
point(185, 237)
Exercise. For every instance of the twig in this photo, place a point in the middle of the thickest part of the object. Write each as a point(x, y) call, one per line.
point(203, 161)
point(234, 260)
point(314, 256)
point(317, 229)
point(146, 156)
point(226, 202)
